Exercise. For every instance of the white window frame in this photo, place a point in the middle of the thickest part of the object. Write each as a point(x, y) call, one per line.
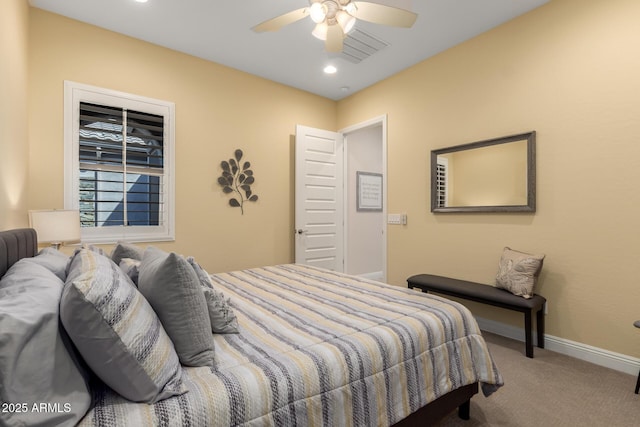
point(74, 93)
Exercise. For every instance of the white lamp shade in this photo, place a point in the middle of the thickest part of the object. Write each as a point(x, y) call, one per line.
point(318, 12)
point(320, 31)
point(345, 20)
point(56, 226)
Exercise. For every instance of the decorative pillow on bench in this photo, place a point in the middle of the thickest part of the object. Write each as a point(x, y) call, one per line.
point(518, 272)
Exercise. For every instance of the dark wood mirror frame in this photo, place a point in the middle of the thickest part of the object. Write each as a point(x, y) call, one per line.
point(530, 206)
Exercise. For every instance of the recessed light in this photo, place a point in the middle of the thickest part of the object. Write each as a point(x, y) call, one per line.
point(142, 1)
point(330, 69)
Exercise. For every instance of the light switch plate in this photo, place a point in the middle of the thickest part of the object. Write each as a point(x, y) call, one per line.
point(394, 219)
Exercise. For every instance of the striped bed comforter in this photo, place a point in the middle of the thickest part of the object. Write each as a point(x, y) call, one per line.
point(320, 348)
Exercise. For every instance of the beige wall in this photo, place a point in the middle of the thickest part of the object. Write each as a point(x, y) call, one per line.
point(568, 70)
point(217, 110)
point(14, 38)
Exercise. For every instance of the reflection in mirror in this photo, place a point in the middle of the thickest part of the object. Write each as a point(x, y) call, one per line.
point(496, 175)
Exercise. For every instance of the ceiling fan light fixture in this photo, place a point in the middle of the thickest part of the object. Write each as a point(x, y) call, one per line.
point(320, 31)
point(335, 18)
point(345, 20)
point(351, 8)
point(318, 12)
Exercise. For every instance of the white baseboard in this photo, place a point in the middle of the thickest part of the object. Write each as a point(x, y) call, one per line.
point(609, 359)
point(375, 275)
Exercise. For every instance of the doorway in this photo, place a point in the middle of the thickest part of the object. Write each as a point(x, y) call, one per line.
point(365, 229)
point(330, 231)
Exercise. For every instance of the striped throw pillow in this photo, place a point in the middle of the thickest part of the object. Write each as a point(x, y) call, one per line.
point(117, 332)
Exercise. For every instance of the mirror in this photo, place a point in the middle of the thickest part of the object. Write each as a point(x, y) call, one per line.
point(496, 175)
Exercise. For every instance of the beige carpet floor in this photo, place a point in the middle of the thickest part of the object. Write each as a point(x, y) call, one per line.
point(551, 390)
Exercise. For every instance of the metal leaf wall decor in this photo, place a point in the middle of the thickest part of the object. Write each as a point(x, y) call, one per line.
point(237, 179)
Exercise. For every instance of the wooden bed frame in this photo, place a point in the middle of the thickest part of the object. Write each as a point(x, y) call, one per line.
point(23, 243)
point(432, 412)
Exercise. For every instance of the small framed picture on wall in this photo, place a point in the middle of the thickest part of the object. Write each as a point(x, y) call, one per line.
point(369, 192)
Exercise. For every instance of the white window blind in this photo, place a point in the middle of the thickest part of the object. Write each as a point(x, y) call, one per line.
point(441, 183)
point(119, 165)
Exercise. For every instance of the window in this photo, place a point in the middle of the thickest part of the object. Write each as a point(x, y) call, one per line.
point(119, 164)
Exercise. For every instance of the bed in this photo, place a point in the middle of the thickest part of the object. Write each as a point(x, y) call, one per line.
point(314, 347)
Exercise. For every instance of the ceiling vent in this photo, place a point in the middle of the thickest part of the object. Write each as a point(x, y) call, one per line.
point(359, 45)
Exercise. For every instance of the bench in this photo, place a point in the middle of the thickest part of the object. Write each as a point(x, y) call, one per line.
point(488, 295)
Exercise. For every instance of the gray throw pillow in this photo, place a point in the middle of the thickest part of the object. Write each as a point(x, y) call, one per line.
point(93, 248)
point(126, 250)
point(131, 268)
point(117, 332)
point(54, 260)
point(38, 363)
point(223, 319)
point(172, 288)
point(518, 272)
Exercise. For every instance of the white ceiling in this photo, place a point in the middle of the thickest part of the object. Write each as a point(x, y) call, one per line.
point(220, 31)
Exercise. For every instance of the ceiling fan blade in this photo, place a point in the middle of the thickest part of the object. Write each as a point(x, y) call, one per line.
point(278, 22)
point(335, 37)
point(385, 15)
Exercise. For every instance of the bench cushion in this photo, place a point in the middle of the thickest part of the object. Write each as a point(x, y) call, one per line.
point(474, 291)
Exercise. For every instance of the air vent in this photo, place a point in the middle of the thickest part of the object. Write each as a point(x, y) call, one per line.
point(359, 45)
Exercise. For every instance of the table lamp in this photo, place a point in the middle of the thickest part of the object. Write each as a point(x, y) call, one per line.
point(56, 226)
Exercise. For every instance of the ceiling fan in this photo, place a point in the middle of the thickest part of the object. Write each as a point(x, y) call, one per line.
point(335, 18)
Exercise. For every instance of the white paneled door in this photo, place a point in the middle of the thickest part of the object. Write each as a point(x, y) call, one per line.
point(319, 210)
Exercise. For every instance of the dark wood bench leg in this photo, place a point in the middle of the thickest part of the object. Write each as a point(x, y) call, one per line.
point(464, 410)
point(528, 332)
point(540, 325)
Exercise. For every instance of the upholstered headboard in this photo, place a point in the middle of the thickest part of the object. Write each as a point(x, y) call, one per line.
point(16, 244)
